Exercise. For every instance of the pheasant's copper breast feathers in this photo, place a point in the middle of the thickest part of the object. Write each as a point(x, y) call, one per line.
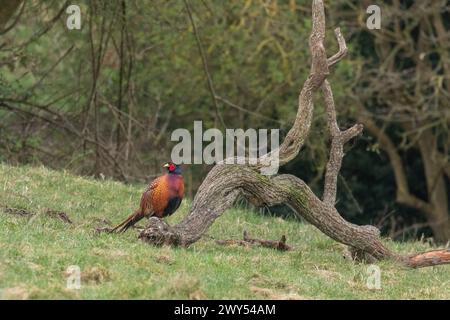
point(158, 196)
point(167, 188)
point(146, 202)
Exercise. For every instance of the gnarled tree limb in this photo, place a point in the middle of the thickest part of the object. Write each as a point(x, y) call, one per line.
point(338, 139)
point(226, 182)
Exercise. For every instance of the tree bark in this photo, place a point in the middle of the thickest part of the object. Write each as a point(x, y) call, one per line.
point(437, 191)
point(226, 182)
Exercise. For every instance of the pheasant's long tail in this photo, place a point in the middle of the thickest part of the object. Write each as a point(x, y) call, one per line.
point(128, 222)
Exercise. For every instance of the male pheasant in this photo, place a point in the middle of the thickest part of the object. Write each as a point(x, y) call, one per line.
point(162, 197)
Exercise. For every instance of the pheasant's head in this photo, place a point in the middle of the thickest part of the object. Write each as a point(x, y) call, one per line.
point(172, 168)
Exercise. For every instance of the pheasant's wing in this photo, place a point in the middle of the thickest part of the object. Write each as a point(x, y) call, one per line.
point(160, 195)
point(146, 206)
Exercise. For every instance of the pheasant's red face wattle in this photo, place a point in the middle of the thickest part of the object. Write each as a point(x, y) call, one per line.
point(172, 167)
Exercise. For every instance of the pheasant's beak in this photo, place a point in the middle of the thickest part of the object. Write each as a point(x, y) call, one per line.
point(166, 165)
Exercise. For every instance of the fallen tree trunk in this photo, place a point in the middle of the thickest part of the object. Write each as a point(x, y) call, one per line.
point(225, 182)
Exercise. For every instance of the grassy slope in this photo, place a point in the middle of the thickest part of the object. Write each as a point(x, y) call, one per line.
point(35, 252)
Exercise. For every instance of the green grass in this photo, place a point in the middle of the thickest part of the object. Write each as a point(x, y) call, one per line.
point(35, 252)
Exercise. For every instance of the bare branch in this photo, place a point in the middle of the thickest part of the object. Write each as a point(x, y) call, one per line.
point(338, 139)
point(257, 114)
point(342, 49)
point(297, 135)
point(427, 259)
point(404, 196)
point(205, 63)
point(67, 127)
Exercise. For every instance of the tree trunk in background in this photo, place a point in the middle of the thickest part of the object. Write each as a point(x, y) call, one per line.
point(436, 188)
point(435, 208)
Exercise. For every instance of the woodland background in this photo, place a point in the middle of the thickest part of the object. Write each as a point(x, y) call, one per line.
point(104, 100)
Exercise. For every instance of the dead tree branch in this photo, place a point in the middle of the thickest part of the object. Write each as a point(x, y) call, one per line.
point(338, 139)
point(248, 242)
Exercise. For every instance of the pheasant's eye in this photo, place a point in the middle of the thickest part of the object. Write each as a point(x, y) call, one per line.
point(171, 167)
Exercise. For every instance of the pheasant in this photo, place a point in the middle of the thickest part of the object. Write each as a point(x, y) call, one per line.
point(162, 197)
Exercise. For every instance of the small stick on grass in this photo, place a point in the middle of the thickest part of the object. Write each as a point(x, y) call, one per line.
point(59, 215)
point(248, 242)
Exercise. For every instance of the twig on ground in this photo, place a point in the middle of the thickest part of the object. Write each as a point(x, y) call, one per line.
point(248, 242)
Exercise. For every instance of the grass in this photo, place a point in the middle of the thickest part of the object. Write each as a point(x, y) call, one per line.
point(36, 251)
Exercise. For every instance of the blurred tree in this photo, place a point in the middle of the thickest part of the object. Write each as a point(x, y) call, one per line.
point(401, 94)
